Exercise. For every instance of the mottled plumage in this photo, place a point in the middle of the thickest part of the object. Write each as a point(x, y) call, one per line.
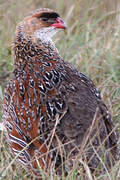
point(48, 102)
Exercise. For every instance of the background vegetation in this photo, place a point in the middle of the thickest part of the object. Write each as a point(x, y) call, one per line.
point(91, 43)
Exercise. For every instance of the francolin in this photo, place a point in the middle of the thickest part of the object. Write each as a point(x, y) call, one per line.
point(53, 114)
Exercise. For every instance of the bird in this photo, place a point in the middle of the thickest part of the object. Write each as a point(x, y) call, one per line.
point(52, 113)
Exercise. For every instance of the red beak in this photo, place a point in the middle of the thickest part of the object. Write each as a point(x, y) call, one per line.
point(59, 24)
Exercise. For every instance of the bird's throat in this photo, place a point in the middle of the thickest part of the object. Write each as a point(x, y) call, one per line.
point(45, 34)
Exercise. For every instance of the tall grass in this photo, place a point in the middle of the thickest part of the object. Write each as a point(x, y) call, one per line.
point(91, 44)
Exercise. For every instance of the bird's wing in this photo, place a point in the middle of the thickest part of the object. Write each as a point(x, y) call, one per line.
point(85, 106)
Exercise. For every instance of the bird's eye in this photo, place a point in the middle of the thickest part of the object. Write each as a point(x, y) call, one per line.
point(44, 19)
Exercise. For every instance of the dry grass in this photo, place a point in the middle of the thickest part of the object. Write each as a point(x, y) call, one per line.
point(91, 43)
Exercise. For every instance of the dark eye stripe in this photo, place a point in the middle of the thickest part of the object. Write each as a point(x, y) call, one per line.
point(45, 16)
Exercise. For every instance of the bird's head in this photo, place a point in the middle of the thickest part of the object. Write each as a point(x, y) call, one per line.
point(41, 24)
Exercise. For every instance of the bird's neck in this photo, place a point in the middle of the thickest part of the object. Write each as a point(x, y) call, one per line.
point(31, 49)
